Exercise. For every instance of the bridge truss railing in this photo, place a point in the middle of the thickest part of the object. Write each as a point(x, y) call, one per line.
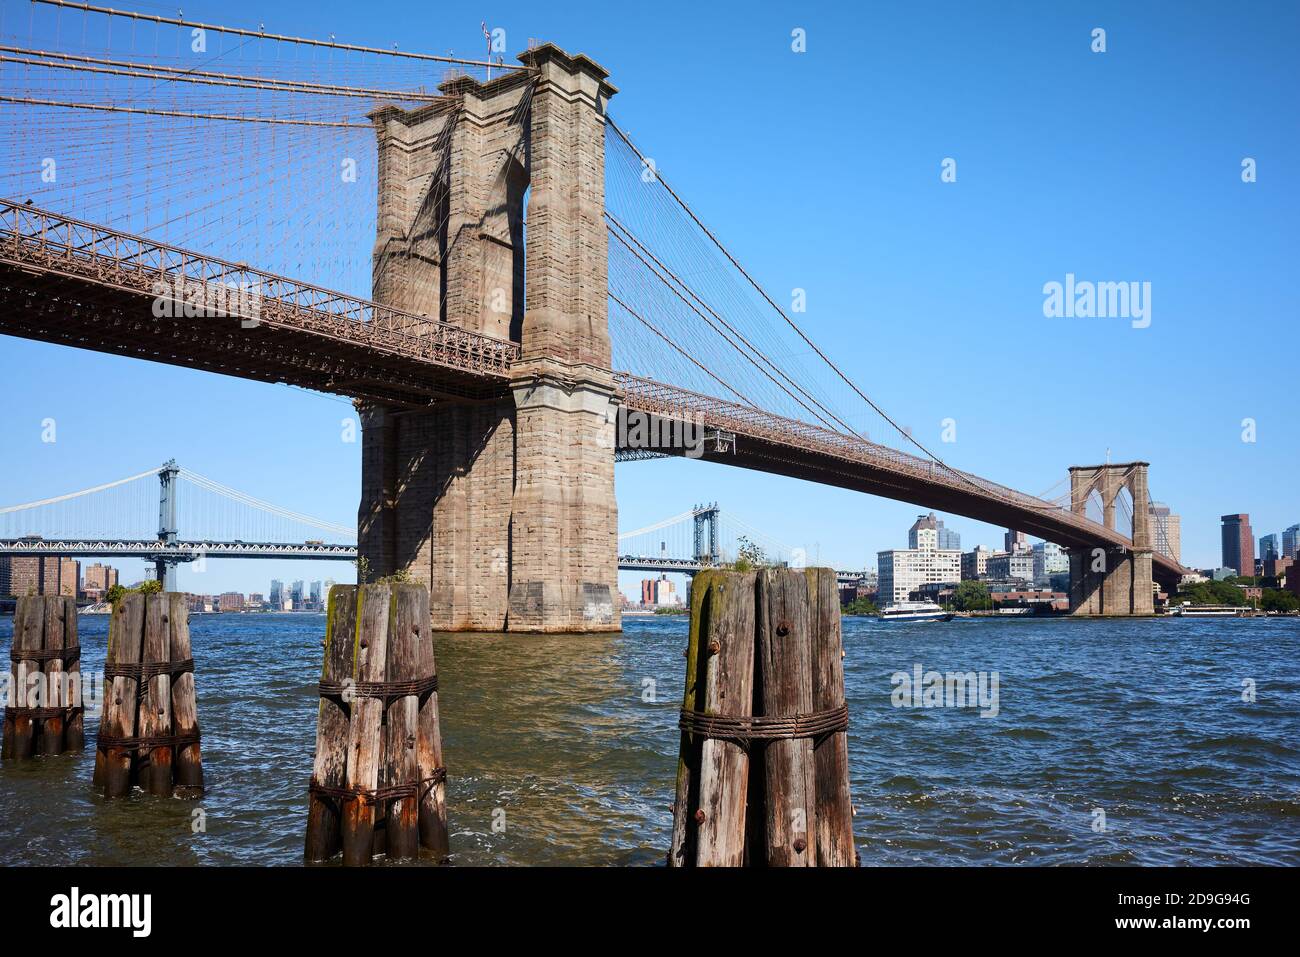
point(32, 237)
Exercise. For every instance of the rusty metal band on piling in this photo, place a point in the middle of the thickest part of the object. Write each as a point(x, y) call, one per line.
point(391, 792)
point(745, 728)
point(383, 690)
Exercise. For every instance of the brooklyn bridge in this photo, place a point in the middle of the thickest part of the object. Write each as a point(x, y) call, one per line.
point(489, 265)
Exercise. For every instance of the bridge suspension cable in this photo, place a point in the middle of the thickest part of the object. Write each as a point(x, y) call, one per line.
point(279, 38)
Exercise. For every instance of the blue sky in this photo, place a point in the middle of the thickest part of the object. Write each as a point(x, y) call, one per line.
point(821, 170)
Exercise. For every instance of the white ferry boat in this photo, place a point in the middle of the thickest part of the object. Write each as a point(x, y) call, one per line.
point(914, 611)
point(1208, 611)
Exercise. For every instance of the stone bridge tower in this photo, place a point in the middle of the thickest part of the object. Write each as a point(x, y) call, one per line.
point(1112, 581)
point(491, 218)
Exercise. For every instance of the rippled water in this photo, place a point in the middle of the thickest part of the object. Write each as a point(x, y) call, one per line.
point(1143, 720)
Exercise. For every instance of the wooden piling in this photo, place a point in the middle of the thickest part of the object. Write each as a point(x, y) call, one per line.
point(429, 760)
point(149, 729)
point(763, 769)
point(74, 733)
point(155, 767)
point(727, 645)
point(686, 798)
point(402, 719)
point(51, 731)
point(329, 770)
point(44, 701)
point(121, 704)
point(28, 621)
point(377, 773)
point(364, 727)
point(188, 757)
point(785, 660)
point(834, 802)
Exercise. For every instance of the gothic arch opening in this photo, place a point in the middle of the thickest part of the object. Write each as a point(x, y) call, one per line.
point(502, 233)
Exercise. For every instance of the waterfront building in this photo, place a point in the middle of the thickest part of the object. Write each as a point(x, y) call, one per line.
point(902, 571)
point(1049, 559)
point(1015, 541)
point(97, 579)
point(975, 563)
point(1166, 531)
point(230, 601)
point(1011, 566)
point(52, 575)
point(25, 576)
point(1268, 548)
point(1238, 543)
point(1276, 567)
point(665, 592)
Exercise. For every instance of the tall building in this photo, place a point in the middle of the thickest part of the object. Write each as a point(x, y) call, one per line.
point(230, 601)
point(975, 563)
point(1049, 559)
point(924, 532)
point(6, 576)
point(658, 591)
point(1268, 548)
point(904, 570)
point(949, 540)
point(25, 576)
point(1015, 541)
point(1005, 566)
point(1238, 544)
point(97, 579)
point(277, 594)
point(1291, 542)
point(1166, 531)
point(53, 575)
point(315, 595)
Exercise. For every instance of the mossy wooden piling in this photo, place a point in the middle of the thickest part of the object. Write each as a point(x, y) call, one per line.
point(43, 715)
point(763, 768)
point(377, 779)
point(149, 730)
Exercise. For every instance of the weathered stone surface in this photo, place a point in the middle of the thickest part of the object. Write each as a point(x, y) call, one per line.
point(504, 507)
point(1115, 582)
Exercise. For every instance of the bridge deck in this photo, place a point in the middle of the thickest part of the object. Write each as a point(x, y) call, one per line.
point(771, 443)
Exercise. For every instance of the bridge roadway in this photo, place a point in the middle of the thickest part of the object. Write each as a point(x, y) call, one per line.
point(76, 283)
point(689, 566)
